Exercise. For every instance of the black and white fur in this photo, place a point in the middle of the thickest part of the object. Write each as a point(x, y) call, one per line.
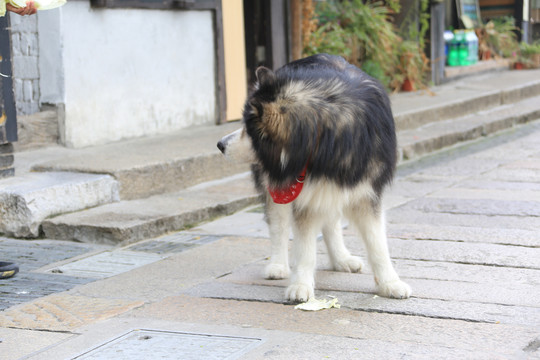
point(327, 114)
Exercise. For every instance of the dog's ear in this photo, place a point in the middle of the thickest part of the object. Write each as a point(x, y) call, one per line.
point(265, 76)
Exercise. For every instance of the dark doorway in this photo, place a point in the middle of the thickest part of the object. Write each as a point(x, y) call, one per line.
point(266, 33)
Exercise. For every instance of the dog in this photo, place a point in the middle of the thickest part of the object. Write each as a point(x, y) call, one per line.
point(321, 139)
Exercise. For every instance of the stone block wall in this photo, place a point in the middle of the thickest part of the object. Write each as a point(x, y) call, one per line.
point(25, 47)
point(6, 160)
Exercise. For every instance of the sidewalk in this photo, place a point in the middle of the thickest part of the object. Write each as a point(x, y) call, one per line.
point(463, 231)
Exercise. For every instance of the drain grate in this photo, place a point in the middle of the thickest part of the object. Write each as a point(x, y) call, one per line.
point(106, 264)
point(155, 344)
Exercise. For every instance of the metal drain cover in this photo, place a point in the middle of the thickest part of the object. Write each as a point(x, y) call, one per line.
point(155, 344)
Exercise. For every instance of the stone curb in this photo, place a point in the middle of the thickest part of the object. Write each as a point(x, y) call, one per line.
point(26, 201)
point(436, 136)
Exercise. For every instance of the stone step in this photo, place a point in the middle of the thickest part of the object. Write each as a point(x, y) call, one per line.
point(25, 201)
point(155, 165)
point(433, 136)
point(464, 97)
point(132, 220)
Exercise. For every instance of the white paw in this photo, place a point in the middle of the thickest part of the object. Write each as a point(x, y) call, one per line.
point(276, 271)
point(395, 289)
point(299, 293)
point(351, 264)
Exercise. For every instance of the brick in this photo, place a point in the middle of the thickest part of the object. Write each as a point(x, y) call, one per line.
point(6, 148)
point(25, 67)
point(29, 44)
point(18, 90)
point(23, 23)
point(4, 173)
point(16, 44)
point(6, 161)
point(27, 90)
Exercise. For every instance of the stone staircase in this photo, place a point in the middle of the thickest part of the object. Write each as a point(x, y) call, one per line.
point(143, 188)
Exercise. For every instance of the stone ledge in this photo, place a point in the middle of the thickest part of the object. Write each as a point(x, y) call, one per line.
point(25, 201)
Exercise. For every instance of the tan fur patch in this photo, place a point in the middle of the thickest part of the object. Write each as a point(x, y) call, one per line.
point(274, 122)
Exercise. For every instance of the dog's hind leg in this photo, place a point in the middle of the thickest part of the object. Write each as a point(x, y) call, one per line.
point(279, 225)
point(304, 250)
point(369, 219)
point(340, 257)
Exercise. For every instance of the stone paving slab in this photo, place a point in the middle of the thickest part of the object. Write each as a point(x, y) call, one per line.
point(470, 234)
point(347, 323)
point(424, 284)
point(408, 216)
point(369, 302)
point(364, 337)
point(17, 343)
point(178, 271)
point(462, 192)
point(63, 312)
point(27, 286)
point(469, 253)
point(33, 254)
point(488, 207)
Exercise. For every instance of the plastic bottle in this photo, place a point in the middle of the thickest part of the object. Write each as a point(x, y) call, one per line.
point(448, 39)
point(472, 47)
point(463, 52)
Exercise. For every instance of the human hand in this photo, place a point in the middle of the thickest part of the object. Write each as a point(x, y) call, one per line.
point(29, 9)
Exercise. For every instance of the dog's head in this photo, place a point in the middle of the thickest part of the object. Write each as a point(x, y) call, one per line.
point(270, 132)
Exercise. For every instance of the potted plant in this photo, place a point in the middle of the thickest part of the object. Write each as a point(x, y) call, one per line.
point(413, 66)
point(498, 38)
point(529, 54)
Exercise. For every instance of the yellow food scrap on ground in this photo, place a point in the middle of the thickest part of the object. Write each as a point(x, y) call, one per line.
point(315, 305)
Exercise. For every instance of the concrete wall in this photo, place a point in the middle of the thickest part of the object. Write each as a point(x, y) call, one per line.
point(124, 73)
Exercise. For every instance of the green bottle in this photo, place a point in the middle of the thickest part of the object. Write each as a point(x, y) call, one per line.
point(463, 49)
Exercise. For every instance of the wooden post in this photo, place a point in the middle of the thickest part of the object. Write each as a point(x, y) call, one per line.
point(296, 29)
point(437, 41)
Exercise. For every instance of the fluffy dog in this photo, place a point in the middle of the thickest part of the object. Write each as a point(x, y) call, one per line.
point(320, 136)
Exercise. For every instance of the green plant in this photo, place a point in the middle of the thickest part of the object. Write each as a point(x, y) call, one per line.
point(413, 64)
point(529, 49)
point(500, 37)
point(529, 54)
point(364, 34)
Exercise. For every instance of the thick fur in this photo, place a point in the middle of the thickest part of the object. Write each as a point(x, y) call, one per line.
point(326, 114)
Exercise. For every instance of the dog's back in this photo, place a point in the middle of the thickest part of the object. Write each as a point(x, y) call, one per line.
point(324, 113)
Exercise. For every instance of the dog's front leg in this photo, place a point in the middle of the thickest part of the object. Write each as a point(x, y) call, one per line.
point(304, 250)
point(279, 225)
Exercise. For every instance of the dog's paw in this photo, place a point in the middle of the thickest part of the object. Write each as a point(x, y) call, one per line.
point(351, 264)
point(276, 271)
point(395, 289)
point(299, 293)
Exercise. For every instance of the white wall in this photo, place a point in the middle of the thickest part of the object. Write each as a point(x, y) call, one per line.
point(126, 73)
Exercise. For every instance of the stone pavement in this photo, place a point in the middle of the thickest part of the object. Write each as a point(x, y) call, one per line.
point(463, 229)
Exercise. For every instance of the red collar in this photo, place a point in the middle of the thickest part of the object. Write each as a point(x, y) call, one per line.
point(290, 193)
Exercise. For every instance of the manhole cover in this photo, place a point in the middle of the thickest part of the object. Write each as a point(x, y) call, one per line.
point(154, 344)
